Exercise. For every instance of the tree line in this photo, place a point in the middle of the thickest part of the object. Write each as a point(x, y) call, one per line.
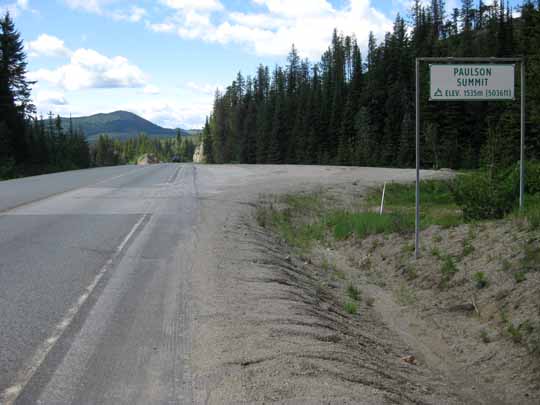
point(109, 152)
point(349, 109)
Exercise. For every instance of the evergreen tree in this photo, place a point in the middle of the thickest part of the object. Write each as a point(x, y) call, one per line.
point(15, 104)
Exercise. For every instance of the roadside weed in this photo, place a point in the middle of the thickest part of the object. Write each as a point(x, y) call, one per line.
point(520, 276)
point(448, 267)
point(350, 307)
point(480, 279)
point(353, 292)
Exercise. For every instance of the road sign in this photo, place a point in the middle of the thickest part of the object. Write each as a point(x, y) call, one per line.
point(472, 82)
point(477, 79)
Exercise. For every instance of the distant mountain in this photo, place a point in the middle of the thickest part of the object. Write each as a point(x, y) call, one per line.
point(121, 125)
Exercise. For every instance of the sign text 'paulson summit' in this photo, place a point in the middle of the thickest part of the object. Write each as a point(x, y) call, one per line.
point(472, 82)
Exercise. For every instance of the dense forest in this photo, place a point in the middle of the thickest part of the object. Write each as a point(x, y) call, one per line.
point(352, 109)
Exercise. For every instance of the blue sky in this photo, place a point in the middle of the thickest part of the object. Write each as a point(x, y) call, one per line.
point(163, 59)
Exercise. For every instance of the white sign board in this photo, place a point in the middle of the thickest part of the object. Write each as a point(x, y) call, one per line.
point(472, 82)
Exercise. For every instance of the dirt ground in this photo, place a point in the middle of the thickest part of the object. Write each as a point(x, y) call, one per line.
point(269, 324)
point(483, 338)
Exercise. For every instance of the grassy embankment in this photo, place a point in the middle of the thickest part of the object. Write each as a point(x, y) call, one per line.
point(320, 219)
point(301, 219)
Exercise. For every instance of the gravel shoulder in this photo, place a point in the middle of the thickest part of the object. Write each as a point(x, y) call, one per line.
point(265, 327)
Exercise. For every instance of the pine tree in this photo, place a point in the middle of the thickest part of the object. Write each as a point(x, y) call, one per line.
point(15, 104)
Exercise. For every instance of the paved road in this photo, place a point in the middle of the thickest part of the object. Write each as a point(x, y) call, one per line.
point(69, 330)
point(98, 304)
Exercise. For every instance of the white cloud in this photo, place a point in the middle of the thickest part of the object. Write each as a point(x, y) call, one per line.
point(103, 7)
point(51, 98)
point(135, 14)
point(171, 114)
point(151, 89)
point(200, 5)
point(258, 20)
point(206, 89)
point(15, 8)
point(93, 6)
point(277, 25)
point(48, 45)
point(161, 27)
point(89, 69)
point(297, 8)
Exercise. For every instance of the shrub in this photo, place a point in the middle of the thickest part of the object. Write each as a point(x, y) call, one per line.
point(532, 211)
point(480, 279)
point(483, 195)
point(353, 292)
point(468, 248)
point(448, 269)
point(520, 276)
point(533, 218)
point(515, 333)
point(7, 169)
point(532, 176)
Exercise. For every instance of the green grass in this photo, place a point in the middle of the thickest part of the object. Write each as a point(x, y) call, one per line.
point(362, 224)
point(309, 202)
point(437, 203)
point(353, 293)
point(506, 265)
point(468, 248)
point(531, 256)
point(405, 296)
point(533, 218)
point(326, 266)
point(448, 269)
point(408, 248)
point(480, 279)
point(432, 193)
point(520, 276)
point(340, 275)
point(299, 235)
point(410, 273)
point(515, 333)
point(302, 219)
point(531, 212)
point(351, 307)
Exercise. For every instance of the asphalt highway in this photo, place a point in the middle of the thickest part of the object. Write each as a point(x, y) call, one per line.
point(72, 330)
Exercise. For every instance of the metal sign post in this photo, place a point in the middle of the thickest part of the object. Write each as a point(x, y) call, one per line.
point(470, 79)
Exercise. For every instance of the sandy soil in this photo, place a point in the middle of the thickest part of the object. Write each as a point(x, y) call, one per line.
point(269, 325)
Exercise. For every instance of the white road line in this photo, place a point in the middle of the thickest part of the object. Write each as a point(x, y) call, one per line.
point(10, 395)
